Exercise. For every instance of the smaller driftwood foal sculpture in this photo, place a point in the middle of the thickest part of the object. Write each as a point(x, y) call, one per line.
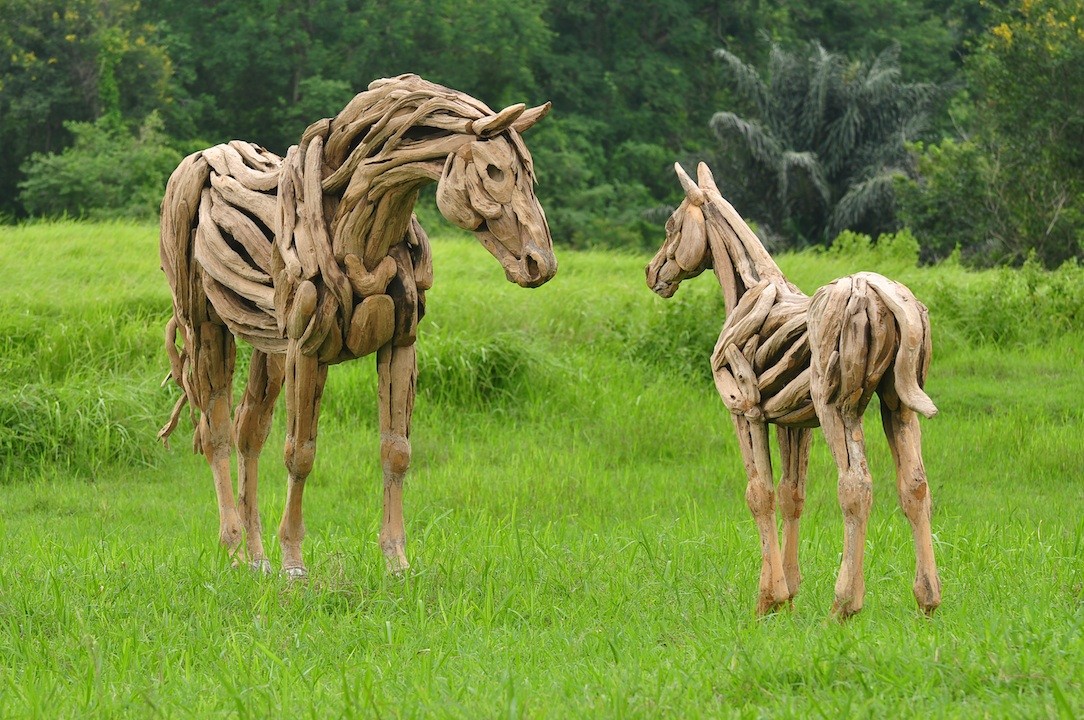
point(794, 361)
point(316, 259)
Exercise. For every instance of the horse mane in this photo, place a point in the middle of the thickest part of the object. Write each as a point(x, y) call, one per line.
point(405, 114)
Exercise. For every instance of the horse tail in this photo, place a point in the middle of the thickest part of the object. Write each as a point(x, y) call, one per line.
point(915, 347)
point(180, 209)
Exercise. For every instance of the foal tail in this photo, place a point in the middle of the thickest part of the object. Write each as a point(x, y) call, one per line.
point(915, 345)
point(180, 208)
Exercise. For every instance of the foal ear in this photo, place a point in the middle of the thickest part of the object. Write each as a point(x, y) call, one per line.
point(530, 117)
point(705, 178)
point(695, 194)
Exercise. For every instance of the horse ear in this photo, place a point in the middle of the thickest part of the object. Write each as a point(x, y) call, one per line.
point(695, 194)
point(705, 178)
point(530, 117)
point(493, 124)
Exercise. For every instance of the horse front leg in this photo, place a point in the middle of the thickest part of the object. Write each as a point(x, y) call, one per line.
point(305, 377)
point(397, 369)
point(794, 457)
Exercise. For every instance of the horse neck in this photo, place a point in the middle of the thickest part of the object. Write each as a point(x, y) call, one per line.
point(373, 218)
point(738, 257)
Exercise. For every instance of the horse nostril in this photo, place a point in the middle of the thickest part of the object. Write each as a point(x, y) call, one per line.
point(531, 266)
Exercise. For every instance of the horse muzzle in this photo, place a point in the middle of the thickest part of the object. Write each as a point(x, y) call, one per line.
point(535, 267)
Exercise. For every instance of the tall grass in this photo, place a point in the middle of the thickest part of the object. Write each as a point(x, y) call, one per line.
point(576, 516)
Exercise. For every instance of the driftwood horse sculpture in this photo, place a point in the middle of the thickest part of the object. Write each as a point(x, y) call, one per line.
point(794, 361)
point(316, 259)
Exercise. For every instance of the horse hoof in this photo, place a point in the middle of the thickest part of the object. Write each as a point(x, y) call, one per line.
point(296, 573)
point(262, 567)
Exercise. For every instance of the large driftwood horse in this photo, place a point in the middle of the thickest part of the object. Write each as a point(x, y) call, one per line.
point(316, 259)
point(794, 361)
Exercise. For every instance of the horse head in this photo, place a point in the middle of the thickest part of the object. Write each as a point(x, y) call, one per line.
point(685, 252)
point(487, 186)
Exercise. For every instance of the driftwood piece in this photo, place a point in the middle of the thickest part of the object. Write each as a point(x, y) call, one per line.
point(778, 342)
point(367, 283)
point(421, 256)
point(317, 258)
point(304, 306)
point(749, 316)
point(372, 325)
point(793, 361)
point(262, 206)
point(798, 362)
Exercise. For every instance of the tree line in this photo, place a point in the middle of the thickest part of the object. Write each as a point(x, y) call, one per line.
point(961, 121)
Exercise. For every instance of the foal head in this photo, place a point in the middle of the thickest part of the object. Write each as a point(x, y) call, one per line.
point(487, 186)
point(685, 252)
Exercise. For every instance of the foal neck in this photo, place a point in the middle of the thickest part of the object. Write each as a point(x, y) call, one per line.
point(738, 257)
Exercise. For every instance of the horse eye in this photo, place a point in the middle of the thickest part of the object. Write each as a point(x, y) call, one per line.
point(495, 173)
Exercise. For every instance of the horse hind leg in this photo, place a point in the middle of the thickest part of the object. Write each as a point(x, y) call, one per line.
point(905, 441)
point(794, 456)
point(214, 364)
point(843, 431)
point(251, 428)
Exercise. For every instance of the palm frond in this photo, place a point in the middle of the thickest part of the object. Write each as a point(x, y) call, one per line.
point(746, 79)
point(827, 127)
point(764, 148)
point(808, 164)
point(872, 196)
point(823, 83)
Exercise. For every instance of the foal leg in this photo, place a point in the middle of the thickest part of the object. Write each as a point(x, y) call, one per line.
point(251, 427)
point(760, 495)
point(305, 377)
point(905, 441)
point(794, 454)
point(843, 431)
point(214, 383)
point(397, 369)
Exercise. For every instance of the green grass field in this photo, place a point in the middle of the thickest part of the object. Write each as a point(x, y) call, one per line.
point(576, 518)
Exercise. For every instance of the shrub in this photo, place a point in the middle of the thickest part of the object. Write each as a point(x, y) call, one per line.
point(949, 204)
point(899, 249)
point(679, 336)
point(107, 173)
point(1012, 307)
point(478, 373)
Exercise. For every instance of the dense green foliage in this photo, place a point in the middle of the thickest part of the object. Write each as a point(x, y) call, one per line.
point(72, 60)
point(1016, 185)
point(634, 87)
point(577, 524)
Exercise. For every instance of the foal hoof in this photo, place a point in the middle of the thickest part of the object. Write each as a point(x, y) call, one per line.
point(396, 566)
point(928, 593)
point(295, 573)
point(843, 610)
point(770, 607)
point(395, 561)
